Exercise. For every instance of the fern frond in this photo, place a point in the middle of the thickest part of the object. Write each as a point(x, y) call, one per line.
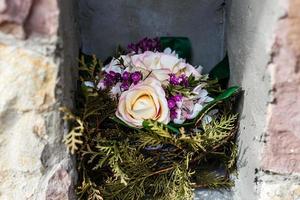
point(220, 129)
point(73, 138)
point(158, 128)
point(181, 188)
point(89, 65)
point(194, 141)
point(114, 158)
point(233, 157)
point(94, 193)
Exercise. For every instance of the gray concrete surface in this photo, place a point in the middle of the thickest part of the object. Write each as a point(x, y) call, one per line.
point(103, 25)
point(205, 194)
point(250, 27)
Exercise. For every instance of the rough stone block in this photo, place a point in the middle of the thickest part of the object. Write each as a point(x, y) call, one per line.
point(27, 90)
point(34, 163)
point(23, 18)
point(282, 149)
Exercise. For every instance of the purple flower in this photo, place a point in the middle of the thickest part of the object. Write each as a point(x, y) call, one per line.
point(125, 85)
point(177, 97)
point(136, 77)
point(181, 80)
point(111, 78)
point(171, 103)
point(173, 114)
point(108, 80)
point(173, 79)
point(184, 80)
point(132, 47)
point(116, 76)
point(146, 44)
point(126, 76)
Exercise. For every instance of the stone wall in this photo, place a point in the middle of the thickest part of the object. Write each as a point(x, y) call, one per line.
point(263, 46)
point(37, 59)
point(280, 166)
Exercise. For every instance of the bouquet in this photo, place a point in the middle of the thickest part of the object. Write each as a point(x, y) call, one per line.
point(149, 125)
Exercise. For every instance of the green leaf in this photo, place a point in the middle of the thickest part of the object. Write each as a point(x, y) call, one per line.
point(173, 129)
point(147, 125)
point(222, 97)
point(190, 123)
point(221, 72)
point(181, 45)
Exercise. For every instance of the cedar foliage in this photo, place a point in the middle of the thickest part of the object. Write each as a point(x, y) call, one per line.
point(116, 162)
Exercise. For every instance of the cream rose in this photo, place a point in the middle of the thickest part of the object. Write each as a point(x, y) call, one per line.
point(145, 100)
point(163, 64)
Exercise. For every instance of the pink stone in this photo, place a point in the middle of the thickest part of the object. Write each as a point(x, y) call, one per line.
point(59, 186)
point(14, 11)
point(23, 18)
point(282, 150)
point(44, 18)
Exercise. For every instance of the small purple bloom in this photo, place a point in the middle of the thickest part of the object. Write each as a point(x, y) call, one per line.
point(171, 103)
point(108, 80)
point(113, 76)
point(181, 80)
point(173, 114)
point(173, 79)
point(184, 80)
point(126, 76)
point(125, 85)
point(177, 97)
point(118, 77)
point(136, 77)
point(146, 44)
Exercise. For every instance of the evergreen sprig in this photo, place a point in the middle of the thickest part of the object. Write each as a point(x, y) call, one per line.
point(158, 162)
point(73, 138)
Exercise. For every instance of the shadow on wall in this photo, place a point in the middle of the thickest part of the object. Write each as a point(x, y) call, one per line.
point(105, 25)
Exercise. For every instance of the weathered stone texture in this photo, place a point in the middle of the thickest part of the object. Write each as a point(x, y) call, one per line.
point(277, 187)
point(34, 163)
point(27, 86)
point(23, 18)
point(282, 151)
point(43, 19)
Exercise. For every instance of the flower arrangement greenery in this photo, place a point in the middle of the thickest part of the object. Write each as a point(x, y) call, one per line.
point(148, 125)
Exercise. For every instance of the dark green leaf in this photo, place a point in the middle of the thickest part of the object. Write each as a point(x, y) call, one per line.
point(222, 97)
point(221, 72)
point(181, 45)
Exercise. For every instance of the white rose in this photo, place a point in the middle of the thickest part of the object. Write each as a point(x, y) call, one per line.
point(162, 64)
point(115, 65)
point(145, 100)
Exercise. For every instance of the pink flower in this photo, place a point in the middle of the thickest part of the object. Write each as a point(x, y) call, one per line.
point(190, 107)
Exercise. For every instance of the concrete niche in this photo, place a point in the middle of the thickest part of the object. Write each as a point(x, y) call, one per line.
point(39, 44)
point(259, 52)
